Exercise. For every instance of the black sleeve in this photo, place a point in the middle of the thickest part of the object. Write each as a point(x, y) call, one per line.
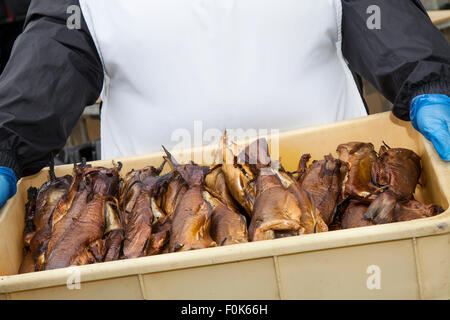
point(407, 57)
point(53, 73)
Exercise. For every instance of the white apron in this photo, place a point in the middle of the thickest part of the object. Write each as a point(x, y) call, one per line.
point(261, 64)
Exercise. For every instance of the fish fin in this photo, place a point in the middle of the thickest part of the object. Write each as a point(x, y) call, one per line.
point(381, 210)
point(385, 144)
point(192, 173)
point(256, 153)
point(52, 170)
point(170, 158)
point(118, 165)
point(303, 166)
point(303, 163)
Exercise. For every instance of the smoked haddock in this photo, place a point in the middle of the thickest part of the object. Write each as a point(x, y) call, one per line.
point(96, 216)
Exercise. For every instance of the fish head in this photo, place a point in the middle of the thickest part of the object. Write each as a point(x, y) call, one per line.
point(102, 181)
point(256, 155)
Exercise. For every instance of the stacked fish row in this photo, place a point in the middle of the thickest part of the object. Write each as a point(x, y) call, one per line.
point(379, 188)
point(73, 220)
point(95, 216)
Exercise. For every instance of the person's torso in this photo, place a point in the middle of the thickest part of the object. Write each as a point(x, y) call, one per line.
point(260, 64)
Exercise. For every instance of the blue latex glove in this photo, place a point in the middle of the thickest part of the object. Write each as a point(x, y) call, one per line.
point(8, 185)
point(430, 115)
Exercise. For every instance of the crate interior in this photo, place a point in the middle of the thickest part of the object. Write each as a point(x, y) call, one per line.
point(317, 141)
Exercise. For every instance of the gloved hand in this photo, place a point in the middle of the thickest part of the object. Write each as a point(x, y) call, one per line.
point(430, 115)
point(8, 185)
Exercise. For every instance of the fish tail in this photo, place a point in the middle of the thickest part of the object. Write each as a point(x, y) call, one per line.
point(381, 210)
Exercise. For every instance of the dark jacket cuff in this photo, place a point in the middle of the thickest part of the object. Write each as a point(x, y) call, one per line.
point(435, 83)
point(8, 159)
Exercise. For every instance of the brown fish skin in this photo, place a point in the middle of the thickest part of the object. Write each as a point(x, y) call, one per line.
point(276, 212)
point(303, 166)
point(176, 188)
point(311, 218)
point(85, 256)
point(411, 210)
point(80, 219)
point(239, 178)
point(227, 226)
point(191, 221)
point(71, 204)
point(148, 226)
point(360, 158)
point(353, 216)
point(96, 249)
point(113, 243)
point(130, 190)
point(142, 185)
point(397, 171)
point(240, 182)
point(132, 185)
point(114, 232)
point(27, 264)
point(30, 210)
point(322, 181)
point(160, 236)
point(46, 199)
point(138, 228)
point(76, 235)
point(162, 223)
point(215, 181)
point(381, 210)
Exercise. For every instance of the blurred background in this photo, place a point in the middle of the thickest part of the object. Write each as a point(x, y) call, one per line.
point(85, 138)
point(439, 12)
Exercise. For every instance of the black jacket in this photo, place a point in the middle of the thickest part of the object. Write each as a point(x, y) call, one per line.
point(55, 72)
point(13, 10)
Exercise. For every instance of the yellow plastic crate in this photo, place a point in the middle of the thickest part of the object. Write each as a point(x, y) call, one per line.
point(412, 258)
